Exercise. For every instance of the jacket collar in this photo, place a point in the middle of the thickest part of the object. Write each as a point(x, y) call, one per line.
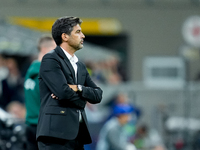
point(60, 52)
point(70, 57)
point(79, 72)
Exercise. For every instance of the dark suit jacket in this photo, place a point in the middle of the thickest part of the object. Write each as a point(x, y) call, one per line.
point(60, 117)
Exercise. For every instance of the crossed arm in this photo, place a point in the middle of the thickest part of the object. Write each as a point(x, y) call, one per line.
point(73, 87)
point(63, 89)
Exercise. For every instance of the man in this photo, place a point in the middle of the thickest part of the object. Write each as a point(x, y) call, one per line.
point(112, 136)
point(65, 87)
point(32, 94)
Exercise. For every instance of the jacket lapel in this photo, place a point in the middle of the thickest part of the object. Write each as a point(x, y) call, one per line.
point(79, 71)
point(60, 52)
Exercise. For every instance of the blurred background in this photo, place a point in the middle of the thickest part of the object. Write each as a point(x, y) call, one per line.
point(144, 52)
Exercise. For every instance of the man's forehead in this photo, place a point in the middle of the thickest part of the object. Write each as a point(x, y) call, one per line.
point(77, 27)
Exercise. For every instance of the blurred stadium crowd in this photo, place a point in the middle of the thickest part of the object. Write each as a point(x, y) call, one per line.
point(106, 72)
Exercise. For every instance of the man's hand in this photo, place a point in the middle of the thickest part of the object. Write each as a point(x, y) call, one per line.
point(54, 96)
point(73, 87)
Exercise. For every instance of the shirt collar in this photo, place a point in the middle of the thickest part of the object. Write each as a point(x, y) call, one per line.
point(70, 57)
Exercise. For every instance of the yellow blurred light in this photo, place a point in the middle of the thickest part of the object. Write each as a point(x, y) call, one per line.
point(98, 26)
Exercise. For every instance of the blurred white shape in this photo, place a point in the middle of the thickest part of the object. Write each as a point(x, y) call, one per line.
point(130, 147)
point(164, 72)
point(191, 31)
point(181, 123)
point(6, 117)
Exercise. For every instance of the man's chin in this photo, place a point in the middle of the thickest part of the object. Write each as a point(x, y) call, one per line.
point(80, 47)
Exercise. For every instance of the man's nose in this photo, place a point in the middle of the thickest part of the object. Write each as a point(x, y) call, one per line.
point(83, 36)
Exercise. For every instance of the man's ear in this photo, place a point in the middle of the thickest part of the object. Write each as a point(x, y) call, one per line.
point(64, 37)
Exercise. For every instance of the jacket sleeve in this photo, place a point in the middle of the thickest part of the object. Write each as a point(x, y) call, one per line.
point(52, 74)
point(90, 91)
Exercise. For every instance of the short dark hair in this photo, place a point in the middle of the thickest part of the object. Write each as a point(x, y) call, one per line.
point(44, 41)
point(64, 25)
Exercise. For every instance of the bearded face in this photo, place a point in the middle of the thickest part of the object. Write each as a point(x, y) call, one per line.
point(76, 38)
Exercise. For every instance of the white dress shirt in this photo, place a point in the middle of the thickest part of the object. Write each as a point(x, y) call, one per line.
point(73, 60)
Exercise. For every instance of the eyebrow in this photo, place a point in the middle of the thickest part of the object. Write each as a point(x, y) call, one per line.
point(78, 30)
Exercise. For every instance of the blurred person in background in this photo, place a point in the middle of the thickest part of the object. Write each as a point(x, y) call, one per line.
point(65, 87)
point(12, 127)
point(17, 110)
point(32, 93)
point(146, 138)
point(96, 116)
point(98, 72)
point(113, 135)
point(3, 75)
point(123, 98)
point(106, 71)
point(3, 68)
point(112, 72)
point(12, 85)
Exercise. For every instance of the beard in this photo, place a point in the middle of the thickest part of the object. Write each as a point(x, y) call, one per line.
point(80, 46)
point(75, 45)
